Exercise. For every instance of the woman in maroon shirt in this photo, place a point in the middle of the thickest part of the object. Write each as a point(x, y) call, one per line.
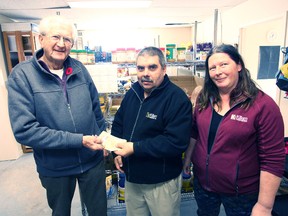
point(237, 143)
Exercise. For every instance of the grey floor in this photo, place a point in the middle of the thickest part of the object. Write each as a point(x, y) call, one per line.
point(21, 193)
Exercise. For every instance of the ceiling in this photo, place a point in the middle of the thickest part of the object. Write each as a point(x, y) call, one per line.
point(158, 14)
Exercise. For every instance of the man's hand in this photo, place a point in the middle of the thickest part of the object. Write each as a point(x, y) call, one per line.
point(118, 163)
point(187, 165)
point(126, 149)
point(92, 142)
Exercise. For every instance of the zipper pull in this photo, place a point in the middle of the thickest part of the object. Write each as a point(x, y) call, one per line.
point(207, 160)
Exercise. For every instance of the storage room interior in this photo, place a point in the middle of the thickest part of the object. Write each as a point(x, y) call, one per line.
point(248, 24)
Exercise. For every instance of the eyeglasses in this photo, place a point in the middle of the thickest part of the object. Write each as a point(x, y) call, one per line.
point(57, 38)
point(152, 67)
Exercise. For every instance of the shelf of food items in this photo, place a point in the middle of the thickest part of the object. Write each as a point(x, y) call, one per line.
point(180, 55)
point(100, 64)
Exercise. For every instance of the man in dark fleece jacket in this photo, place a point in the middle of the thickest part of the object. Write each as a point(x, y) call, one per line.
point(155, 118)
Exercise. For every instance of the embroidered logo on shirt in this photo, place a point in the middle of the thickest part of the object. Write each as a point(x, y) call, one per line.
point(151, 116)
point(239, 118)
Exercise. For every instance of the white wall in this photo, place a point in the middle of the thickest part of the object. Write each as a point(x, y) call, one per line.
point(10, 149)
point(245, 14)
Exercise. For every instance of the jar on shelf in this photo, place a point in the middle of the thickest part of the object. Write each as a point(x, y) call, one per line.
point(121, 55)
point(74, 54)
point(189, 55)
point(130, 55)
point(90, 57)
point(82, 56)
point(114, 57)
point(171, 52)
point(181, 54)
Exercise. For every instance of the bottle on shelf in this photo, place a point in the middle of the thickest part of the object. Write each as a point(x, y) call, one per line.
point(186, 183)
point(121, 188)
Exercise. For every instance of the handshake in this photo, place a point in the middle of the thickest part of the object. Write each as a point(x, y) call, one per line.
point(108, 142)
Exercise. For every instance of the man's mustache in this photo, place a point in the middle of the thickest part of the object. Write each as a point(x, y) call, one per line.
point(145, 79)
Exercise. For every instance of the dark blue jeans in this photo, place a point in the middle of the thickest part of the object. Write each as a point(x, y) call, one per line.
point(235, 205)
point(92, 187)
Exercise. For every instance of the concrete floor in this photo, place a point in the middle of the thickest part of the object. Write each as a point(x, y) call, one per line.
point(21, 193)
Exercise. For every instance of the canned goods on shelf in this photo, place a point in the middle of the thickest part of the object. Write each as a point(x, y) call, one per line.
point(171, 52)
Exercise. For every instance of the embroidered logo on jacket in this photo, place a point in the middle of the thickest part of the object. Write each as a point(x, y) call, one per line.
point(239, 118)
point(151, 116)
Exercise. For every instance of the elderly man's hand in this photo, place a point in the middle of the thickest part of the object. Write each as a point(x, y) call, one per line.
point(92, 142)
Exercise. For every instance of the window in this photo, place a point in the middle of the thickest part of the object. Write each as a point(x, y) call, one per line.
point(269, 62)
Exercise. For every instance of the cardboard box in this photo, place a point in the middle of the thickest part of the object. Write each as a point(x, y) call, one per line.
point(116, 101)
point(187, 83)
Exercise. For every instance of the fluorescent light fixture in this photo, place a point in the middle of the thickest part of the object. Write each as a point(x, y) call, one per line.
point(110, 4)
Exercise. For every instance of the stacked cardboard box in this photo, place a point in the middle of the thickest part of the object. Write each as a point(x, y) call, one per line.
point(187, 83)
